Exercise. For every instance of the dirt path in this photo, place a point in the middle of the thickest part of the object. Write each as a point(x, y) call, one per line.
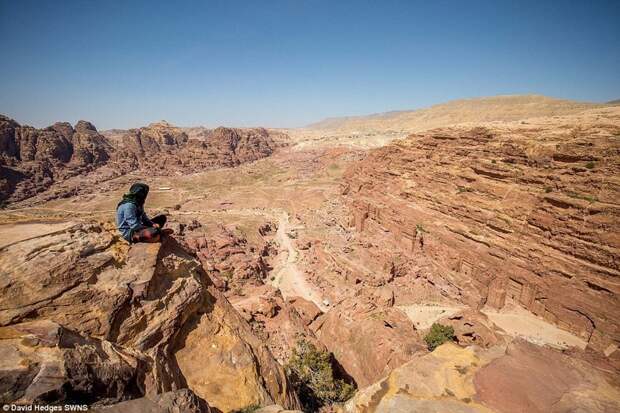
point(288, 277)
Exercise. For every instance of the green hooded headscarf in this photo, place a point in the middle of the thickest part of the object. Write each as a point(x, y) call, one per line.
point(137, 195)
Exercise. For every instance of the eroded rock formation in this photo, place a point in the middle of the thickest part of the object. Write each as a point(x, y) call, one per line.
point(526, 215)
point(146, 317)
point(32, 160)
point(520, 378)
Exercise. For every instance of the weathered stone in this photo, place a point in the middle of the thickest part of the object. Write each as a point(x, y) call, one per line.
point(43, 362)
point(498, 216)
point(34, 160)
point(154, 301)
point(367, 341)
point(523, 378)
point(180, 401)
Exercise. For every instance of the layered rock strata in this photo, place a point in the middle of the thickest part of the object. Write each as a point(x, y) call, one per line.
point(520, 215)
point(32, 160)
point(146, 318)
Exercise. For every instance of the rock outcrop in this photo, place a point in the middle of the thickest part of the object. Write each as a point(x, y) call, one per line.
point(368, 341)
point(525, 215)
point(44, 362)
point(228, 259)
point(32, 160)
point(521, 378)
point(180, 401)
point(146, 318)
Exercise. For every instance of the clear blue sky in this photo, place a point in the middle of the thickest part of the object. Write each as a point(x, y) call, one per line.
point(288, 63)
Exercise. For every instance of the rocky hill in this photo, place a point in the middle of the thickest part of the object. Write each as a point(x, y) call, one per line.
point(32, 160)
point(85, 319)
point(477, 110)
point(526, 214)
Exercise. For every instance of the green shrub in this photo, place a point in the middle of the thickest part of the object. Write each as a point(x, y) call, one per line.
point(548, 189)
point(588, 198)
point(438, 335)
point(590, 165)
point(312, 376)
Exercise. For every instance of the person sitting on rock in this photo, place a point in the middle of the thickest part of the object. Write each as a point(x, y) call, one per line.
point(131, 220)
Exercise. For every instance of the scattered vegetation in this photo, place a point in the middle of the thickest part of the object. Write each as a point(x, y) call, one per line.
point(420, 229)
point(493, 161)
point(311, 373)
point(462, 189)
point(590, 165)
point(588, 198)
point(548, 189)
point(438, 335)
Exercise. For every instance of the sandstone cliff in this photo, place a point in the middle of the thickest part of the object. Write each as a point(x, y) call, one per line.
point(33, 160)
point(146, 319)
point(524, 214)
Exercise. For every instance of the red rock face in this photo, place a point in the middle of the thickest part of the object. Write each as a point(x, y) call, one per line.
point(228, 259)
point(32, 160)
point(525, 215)
point(539, 380)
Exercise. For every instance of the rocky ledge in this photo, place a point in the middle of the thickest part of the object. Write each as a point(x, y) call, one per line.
point(95, 321)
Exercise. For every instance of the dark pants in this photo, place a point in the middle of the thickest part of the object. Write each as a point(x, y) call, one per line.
point(149, 234)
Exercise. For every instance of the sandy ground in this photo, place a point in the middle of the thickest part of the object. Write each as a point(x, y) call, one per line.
point(13, 233)
point(424, 315)
point(518, 322)
point(289, 279)
point(515, 321)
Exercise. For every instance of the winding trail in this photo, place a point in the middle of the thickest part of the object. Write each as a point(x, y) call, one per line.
point(289, 279)
point(287, 276)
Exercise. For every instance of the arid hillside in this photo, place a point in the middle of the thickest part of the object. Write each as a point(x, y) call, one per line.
point(35, 160)
point(475, 111)
point(525, 214)
point(470, 268)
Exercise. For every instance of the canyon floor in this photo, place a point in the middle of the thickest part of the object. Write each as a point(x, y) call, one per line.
point(314, 242)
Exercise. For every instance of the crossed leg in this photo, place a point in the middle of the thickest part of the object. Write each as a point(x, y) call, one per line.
point(146, 234)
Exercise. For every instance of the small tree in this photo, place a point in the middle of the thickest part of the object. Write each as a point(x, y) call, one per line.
point(312, 376)
point(438, 335)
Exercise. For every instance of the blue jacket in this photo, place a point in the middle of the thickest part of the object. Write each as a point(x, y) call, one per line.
point(129, 218)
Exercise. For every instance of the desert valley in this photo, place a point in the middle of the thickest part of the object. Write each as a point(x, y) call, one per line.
point(342, 245)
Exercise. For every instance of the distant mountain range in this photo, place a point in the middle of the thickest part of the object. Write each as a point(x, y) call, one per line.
point(484, 109)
